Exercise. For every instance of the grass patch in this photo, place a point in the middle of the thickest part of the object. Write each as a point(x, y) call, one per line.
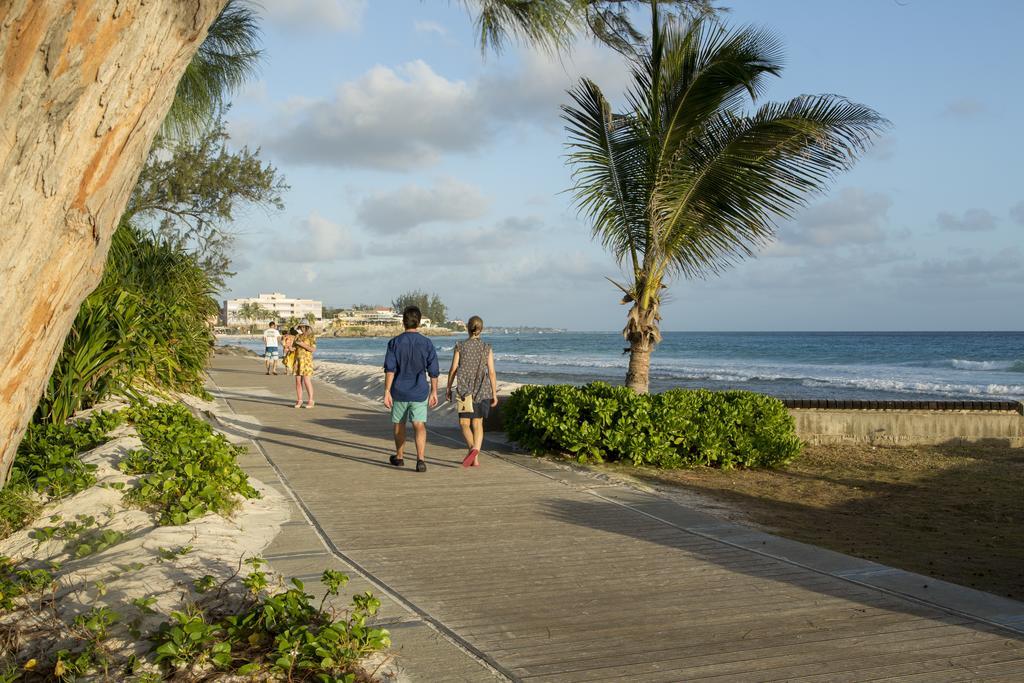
point(951, 511)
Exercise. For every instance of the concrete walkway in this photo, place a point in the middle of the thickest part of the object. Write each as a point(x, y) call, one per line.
point(524, 569)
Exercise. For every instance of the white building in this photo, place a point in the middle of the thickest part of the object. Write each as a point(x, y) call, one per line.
point(382, 315)
point(277, 304)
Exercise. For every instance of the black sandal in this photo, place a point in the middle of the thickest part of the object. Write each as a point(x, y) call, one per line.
point(421, 466)
point(397, 462)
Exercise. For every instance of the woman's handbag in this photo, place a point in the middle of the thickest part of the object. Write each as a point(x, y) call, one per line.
point(464, 403)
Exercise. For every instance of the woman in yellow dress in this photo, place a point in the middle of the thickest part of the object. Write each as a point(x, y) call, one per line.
point(304, 346)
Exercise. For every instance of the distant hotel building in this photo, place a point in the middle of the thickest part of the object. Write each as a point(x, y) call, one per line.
point(276, 303)
point(381, 315)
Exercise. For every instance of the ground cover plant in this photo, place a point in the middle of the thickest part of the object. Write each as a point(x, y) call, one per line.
point(951, 511)
point(679, 428)
point(48, 466)
point(188, 468)
point(247, 626)
point(273, 634)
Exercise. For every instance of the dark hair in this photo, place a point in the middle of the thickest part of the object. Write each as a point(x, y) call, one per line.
point(273, 323)
point(474, 325)
point(292, 330)
point(411, 317)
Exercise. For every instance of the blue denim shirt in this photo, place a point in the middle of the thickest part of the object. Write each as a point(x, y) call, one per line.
point(412, 357)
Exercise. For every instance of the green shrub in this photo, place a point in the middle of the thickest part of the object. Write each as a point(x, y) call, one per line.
point(679, 428)
point(146, 322)
point(190, 469)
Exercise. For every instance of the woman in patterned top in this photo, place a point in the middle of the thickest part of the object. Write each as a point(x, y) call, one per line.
point(304, 346)
point(475, 387)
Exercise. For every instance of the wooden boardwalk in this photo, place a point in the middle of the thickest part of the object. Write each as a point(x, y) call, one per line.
point(524, 570)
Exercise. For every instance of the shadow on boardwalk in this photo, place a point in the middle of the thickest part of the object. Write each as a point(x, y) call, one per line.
point(611, 518)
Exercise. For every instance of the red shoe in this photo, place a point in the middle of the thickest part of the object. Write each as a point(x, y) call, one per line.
point(470, 460)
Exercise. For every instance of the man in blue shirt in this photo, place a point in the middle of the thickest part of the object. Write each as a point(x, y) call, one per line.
point(410, 358)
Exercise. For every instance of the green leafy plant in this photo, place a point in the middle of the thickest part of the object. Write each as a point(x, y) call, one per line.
point(204, 584)
point(275, 634)
point(189, 468)
point(172, 553)
point(679, 428)
point(17, 581)
point(96, 542)
point(48, 467)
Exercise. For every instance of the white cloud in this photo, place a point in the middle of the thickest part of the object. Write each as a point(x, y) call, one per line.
point(315, 238)
point(394, 119)
point(855, 216)
point(304, 15)
point(537, 88)
point(468, 245)
point(407, 117)
point(398, 210)
point(970, 270)
point(425, 26)
point(972, 220)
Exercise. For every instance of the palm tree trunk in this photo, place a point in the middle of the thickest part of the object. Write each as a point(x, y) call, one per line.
point(643, 335)
point(639, 372)
point(85, 87)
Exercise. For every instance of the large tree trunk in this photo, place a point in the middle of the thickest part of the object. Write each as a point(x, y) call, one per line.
point(84, 87)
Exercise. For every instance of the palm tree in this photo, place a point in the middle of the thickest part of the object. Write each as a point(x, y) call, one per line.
point(226, 59)
point(251, 311)
point(311, 318)
point(685, 181)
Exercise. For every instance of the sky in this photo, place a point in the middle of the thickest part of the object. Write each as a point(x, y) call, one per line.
point(417, 162)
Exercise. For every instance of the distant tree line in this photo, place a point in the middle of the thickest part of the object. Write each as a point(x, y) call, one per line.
point(430, 305)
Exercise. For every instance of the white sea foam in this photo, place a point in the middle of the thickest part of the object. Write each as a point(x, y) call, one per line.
point(1004, 365)
point(918, 386)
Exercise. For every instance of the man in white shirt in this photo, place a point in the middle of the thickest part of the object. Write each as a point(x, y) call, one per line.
point(270, 341)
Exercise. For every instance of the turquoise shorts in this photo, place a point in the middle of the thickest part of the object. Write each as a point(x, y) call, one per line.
point(411, 410)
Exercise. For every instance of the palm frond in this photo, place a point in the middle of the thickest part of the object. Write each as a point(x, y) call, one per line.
point(609, 161)
point(227, 58)
point(547, 24)
point(705, 71)
point(721, 196)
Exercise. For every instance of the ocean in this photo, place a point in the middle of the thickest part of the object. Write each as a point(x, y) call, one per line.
point(848, 365)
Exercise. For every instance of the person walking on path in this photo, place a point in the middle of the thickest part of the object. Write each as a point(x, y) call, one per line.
point(409, 360)
point(476, 390)
point(304, 346)
point(287, 348)
point(271, 353)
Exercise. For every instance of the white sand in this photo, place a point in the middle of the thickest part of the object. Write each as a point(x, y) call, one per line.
point(134, 566)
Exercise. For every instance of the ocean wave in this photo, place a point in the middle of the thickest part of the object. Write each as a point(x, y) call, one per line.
point(556, 361)
point(1005, 365)
point(917, 386)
